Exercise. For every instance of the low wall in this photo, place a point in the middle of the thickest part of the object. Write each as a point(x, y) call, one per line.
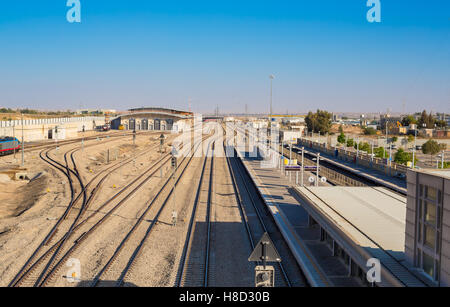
point(43, 129)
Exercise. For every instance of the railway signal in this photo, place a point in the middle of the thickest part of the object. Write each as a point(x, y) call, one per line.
point(264, 252)
point(174, 164)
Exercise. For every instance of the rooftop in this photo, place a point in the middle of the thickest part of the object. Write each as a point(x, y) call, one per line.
point(372, 217)
point(445, 173)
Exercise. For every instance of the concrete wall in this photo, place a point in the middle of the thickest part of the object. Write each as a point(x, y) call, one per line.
point(39, 129)
point(414, 179)
point(410, 228)
point(288, 136)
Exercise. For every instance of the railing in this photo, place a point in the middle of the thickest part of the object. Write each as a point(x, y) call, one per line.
point(362, 159)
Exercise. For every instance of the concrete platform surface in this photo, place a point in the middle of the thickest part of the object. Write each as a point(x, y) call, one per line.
point(314, 257)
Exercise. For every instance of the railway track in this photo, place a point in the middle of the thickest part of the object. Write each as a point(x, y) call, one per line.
point(28, 271)
point(257, 221)
point(67, 171)
point(194, 262)
point(78, 140)
point(138, 235)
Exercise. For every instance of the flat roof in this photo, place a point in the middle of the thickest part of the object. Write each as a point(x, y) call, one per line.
point(375, 211)
point(445, 173)
point(372, 217)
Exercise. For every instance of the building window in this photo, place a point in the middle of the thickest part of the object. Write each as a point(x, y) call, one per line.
point(430, 236)
point(428, 265)
point(430, 213)
point(428, 222)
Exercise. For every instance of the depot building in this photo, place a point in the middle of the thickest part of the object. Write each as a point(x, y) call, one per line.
point(159, 119)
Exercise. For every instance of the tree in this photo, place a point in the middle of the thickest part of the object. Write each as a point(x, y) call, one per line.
point(410, 138)
point(319, 121)
point(341, 138)
point(364, 146)
point(370, 131)
point(394, 139)
point(431, 147)
point(350, 142)
point(402, 157)
point(380, 152)
point(408, 120)
point(441, 123)
point(426, 120)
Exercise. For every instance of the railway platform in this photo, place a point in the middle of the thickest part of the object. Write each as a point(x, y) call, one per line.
point(318, 264)
point(395, 184)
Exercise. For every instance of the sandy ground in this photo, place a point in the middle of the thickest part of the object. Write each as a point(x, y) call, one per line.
point(28, 210)
point(27, 219)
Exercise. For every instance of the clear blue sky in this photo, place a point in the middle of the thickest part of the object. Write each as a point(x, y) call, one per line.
point(129, 53)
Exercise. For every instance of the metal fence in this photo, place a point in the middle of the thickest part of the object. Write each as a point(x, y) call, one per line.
point(363, 159)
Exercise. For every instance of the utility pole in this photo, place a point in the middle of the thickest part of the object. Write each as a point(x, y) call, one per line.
point(303, 166)
point(357, 149)
point(161, 144)
point(371, 153)
point(390, 158)
point(82, 142)
point(14, 136)
point(174, 211)
point(317, 170)
point(290, 158)
point(271, 77)
point(414, 150)
point(282, 157)
point(384, 154)
point(23, 145)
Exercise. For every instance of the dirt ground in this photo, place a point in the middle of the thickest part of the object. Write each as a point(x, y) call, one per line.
point(30, 208)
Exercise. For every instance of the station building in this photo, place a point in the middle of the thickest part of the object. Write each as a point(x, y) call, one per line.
point(351, 226)
point(427, 241)
point(159, 119)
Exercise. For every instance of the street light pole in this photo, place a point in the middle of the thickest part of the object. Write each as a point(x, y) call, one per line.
point(414, 150)
point(290, 158)
point(384, 154)
point(317, 170)
point(371, 153)
point(303, 165)
point(271, 77)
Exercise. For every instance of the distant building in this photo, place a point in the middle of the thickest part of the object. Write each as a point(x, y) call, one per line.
point(290, 135)
point(427, 243)
point(388, 119)
point(363, 120)
point(153, 119)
